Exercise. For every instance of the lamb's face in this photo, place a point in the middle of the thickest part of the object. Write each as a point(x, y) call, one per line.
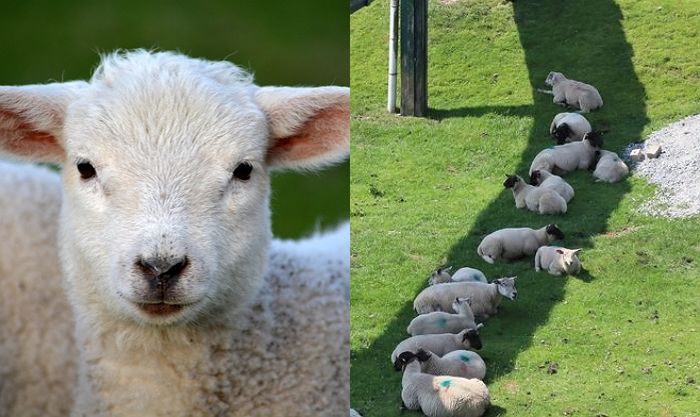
point(440, 276)
point(553, 78)
point(568, 257)
point(167, 198)
point(511, 181)
point(165, 160)
point(506, 287)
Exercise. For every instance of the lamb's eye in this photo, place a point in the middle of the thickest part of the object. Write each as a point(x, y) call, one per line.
point(242, 171)
point(86, 170)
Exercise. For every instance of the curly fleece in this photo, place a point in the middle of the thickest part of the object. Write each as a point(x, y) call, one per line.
point(286, 354)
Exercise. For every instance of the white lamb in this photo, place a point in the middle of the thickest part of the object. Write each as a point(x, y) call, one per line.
point(441, 322)
point(545, 179)
point(464, 274)
point(439, 344)
point(573, 93)
point(514, 243)
point(177, 302)
point(442, 396)
point(569, 157)
point(557, 261)
point(538, 199)
point(461, 363)
point(609, 167)
point(485, 298)
point(569, 127)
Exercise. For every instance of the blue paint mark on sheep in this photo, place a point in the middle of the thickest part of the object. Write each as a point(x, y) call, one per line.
point(446, 383)
point(441, 322)
point(464, 357)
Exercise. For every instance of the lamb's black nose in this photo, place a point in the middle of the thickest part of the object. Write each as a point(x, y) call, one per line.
point(162, 271)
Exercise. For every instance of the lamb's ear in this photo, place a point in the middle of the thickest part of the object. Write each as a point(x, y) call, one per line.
point(559, 251)
point(31, 119)
point(309, 127)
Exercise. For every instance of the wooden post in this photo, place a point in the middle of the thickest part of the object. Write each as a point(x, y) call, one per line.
point(414, 57)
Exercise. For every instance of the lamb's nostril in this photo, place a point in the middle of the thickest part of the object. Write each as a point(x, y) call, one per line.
point(163, 269)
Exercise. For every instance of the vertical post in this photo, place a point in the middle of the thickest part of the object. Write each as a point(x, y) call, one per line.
point(414, 57)
point(393, 42)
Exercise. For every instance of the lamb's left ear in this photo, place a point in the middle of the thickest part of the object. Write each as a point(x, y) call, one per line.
point(31, 119)
point(309, 127)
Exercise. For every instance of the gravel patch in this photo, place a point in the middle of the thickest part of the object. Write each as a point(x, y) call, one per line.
point(676, 171)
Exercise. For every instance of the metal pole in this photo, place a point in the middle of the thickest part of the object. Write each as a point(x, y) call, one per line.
point(393, 46)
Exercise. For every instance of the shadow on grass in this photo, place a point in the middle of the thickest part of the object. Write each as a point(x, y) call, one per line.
point(591, 47)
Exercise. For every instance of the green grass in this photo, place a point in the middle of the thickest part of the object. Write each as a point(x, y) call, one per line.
point(425, 191)
point(282, 42)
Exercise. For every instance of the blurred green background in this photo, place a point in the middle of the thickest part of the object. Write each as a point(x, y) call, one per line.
point(302, 43)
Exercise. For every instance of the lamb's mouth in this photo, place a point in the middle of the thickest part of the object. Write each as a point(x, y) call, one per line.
point(161, 309)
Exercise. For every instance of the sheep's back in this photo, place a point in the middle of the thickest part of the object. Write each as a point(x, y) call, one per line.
point(37, 349)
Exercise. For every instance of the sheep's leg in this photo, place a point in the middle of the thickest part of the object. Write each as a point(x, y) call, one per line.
point(537, 261)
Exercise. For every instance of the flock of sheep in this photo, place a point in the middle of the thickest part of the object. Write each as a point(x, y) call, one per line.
point(442, 376)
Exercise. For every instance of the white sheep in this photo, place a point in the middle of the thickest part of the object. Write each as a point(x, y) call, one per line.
point(569, 127)
point(441, 396)
point(569, 157)
point(573, 93)
point(464, 274)
point(439, 344)
point(461, 363)
point(557, 261)
point(609, 167)
point(538, 199)
point(441, 322)
point(485, 298)
point(514, 243)
point(177, 302)
point(545, 179)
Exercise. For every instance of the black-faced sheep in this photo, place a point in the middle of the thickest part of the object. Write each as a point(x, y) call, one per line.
point(515, 243)
point(569, 157)
point(557, 261)
point(573, 93)
point(439, 344)
point(545, 179)
point(461, 363)
point(538, 199)
point(569, 127)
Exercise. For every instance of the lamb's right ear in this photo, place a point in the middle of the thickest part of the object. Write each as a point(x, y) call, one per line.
point(31, 119)
point(309, 127)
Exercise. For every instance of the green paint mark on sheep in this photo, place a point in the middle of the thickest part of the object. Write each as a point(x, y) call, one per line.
point(442, 322)
point(446, 383)
point(464, 357)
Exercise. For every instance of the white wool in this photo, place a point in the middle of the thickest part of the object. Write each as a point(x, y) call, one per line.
point(574, 93)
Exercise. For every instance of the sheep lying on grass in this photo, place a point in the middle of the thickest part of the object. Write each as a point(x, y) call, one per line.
point(515, 243)
point(439, 344)
point(609, 167)
point(464, 274)
point(441, 396)
point(461, 363)
point(177, 303)
point(538, 199)
point(545, 179)
point(573, 93)
point(441, 322)
point(557, 261)
point(569, 127)
point(568, 157)
point(485, 298)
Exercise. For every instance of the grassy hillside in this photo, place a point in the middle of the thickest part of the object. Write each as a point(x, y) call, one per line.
point(282, 42)
point(425, 191)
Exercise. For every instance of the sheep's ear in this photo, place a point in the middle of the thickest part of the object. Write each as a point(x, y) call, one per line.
point(576, 250)
point(559, 251)
point(31, 119)
point(309, 127)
